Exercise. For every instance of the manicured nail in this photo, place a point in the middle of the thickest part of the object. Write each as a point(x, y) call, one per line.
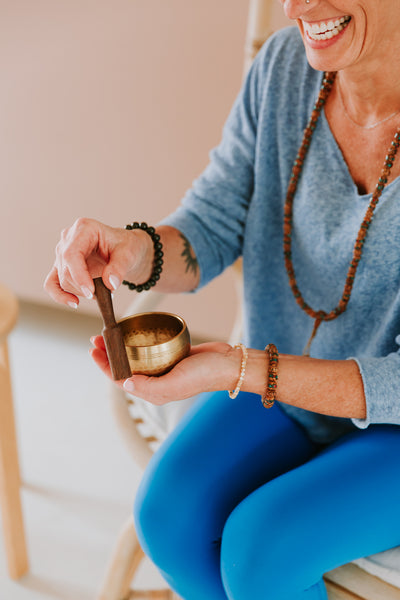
point(86, 292)
point(115, 282)
point(92, 339)
point(73, 304)
point(129, 386)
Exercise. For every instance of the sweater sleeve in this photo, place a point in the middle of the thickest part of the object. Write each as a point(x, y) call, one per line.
point(381, 380)
point(212, 215)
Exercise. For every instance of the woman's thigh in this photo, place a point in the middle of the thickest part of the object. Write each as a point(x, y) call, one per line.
point(339, 506)
point(222, 451)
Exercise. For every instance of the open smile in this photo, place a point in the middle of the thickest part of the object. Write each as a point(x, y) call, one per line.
point(326, 30)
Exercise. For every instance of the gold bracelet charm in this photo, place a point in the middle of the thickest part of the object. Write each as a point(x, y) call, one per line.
point(232, 395)
point(272, 380)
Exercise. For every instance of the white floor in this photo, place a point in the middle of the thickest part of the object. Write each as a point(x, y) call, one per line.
point(78, 480)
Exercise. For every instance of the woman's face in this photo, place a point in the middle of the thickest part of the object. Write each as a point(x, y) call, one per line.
point(338, 34)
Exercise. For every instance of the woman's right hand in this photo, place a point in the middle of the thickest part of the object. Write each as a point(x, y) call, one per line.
point(91, 249)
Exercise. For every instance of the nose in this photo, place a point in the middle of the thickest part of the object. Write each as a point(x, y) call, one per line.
point(296, 8)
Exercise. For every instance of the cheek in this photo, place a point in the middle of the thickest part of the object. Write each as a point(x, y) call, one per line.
point(346, 53)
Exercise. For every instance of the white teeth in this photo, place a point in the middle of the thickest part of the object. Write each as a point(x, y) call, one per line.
point(326, 31)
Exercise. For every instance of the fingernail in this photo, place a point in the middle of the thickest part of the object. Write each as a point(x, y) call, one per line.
point(129, 386)
point(86, 292)
point(73, 304)
point(92, 339)
point(115, 282)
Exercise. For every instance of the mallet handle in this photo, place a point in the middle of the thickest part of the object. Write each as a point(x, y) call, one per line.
point(112, 333)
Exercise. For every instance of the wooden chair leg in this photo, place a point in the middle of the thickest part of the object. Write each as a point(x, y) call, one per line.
point(153, 595)
point(10, 501)
point(122, 567)
point(123, 564)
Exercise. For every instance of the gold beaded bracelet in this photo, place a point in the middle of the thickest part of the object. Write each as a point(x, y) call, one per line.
point(232, 395)
point(272, 380)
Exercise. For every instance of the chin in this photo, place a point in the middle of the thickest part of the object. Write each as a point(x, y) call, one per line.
point(323, 64)
point(333, 54)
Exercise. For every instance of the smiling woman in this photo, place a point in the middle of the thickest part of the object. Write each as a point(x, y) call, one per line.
point(305, 186)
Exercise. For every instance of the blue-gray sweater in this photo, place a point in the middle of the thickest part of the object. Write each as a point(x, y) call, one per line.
point(236, 208)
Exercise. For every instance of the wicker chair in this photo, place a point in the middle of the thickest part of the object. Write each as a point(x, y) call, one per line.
point(349, 582)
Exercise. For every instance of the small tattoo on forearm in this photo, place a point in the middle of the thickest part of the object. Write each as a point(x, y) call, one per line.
point(190, 260)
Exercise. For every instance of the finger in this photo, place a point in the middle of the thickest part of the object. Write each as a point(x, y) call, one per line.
point(100, 358)
point(79, 273)
point(76, 249)
point(55, 291)
point(151, 389)
point(159, 390)
point(98, 342)
point(121, 260)
point(118, 265)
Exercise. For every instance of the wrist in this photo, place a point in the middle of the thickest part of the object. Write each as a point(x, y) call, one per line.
point(231, 371)
point(255, 376)
point(143, 251)
point(243, 362)
point(256, 373)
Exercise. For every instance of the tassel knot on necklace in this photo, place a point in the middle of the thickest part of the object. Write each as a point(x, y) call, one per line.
point(319, 315)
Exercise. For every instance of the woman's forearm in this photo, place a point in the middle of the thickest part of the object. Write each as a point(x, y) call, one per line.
point(180, 269)
point(330, 387)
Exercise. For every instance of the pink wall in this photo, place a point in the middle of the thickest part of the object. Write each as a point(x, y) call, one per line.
point(109, 109)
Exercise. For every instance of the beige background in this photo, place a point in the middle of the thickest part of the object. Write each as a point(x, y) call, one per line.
point(108, 109)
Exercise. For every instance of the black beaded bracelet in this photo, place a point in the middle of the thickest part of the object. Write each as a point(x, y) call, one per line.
point(158, 258)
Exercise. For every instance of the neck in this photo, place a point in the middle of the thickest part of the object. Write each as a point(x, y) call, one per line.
point(369, 98)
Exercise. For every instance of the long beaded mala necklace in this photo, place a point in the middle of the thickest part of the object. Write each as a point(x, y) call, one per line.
point(320, 315)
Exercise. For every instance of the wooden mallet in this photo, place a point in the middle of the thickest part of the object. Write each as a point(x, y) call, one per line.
point(112, 333)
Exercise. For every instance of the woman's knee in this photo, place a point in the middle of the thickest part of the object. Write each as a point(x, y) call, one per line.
point(159, 506)
point(258, 550)
point(244, 559)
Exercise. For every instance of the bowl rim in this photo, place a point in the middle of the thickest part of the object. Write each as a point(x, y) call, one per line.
point(156, 346)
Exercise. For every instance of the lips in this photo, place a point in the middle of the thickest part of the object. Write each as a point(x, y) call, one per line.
point(325, 30)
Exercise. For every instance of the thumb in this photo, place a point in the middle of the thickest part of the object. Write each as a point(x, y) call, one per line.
point(119, 264)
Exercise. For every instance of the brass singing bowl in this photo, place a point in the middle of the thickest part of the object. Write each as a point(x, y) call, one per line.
point(155, 341)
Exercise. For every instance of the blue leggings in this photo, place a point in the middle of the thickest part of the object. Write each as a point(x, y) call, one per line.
point(238, 503)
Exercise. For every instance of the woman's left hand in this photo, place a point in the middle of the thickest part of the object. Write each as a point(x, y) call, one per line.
point(209, 367)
